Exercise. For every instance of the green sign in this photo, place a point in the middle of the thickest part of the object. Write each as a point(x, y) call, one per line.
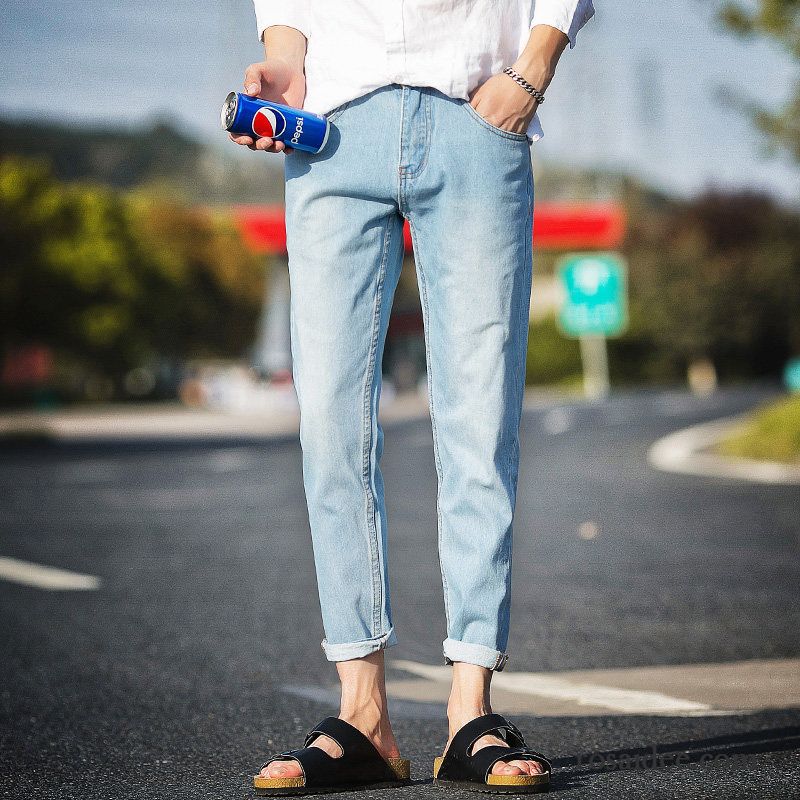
point(791, 375)
point(595, 288)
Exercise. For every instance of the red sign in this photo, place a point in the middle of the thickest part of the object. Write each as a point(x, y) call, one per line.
point(557, 226)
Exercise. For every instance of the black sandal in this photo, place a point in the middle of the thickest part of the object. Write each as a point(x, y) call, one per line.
point(360, 766)
point(459, 769)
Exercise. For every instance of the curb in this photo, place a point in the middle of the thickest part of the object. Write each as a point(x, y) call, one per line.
point(686, 452)
point(173, 422)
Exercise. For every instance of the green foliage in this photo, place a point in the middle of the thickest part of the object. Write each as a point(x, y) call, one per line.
point(552, 358)
point(714, 278)
point(773, 434)
point(717, 277)
point(111, 156)
point(778, 20)
point(110, 280)
point(158, 157)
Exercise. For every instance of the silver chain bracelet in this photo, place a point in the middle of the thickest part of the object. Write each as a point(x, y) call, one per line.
point(515, 76)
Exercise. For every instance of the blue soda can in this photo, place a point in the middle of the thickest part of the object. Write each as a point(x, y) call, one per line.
point(248, 116)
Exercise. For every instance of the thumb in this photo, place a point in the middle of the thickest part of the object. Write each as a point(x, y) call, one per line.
point(253, 79)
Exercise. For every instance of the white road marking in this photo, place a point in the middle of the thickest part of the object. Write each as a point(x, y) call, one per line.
point(231, 460)
point(685, 452)
point(557, 421)
point(42, 577)
point(588, 530)
point(626, 701)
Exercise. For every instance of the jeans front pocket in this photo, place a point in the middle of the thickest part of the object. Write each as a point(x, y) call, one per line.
point(518, 137)
point(335, 113)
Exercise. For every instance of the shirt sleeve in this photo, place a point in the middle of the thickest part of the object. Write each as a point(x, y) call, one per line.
point(292, 13)
point(569, 16)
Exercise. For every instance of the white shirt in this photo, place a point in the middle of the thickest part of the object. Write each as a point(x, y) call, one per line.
point(356, 46)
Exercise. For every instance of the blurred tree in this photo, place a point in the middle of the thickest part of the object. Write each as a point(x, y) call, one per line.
point(110, 280)
point(552, 358)
point(204, 296)
point(778, 20)
point(717, 277)
point(158, 157)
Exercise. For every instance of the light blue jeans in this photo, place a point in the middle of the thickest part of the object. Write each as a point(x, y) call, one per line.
point(466, 189)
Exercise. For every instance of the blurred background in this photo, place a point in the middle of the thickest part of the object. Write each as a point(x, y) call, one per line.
point(156, 582)
point(141, 249)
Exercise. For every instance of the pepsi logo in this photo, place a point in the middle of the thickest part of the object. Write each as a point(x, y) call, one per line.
point(269, 122)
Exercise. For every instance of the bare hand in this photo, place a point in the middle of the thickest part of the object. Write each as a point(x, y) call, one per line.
point(280, 82)
point(504, 104)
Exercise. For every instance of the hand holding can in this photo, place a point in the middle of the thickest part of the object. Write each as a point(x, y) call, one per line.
point(250, 116)
point(279, 78)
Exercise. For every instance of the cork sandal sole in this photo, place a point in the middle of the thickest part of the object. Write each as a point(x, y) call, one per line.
point(497, 784)
point(461, 768)
point(265, 787)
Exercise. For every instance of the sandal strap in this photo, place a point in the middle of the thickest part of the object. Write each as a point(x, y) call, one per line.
point(481, 726)
point(360, 761)
point(314, 762)
point(458, 764)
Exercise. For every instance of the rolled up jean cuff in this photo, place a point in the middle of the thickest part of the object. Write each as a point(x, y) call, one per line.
point(454, 650)
point(351, 650)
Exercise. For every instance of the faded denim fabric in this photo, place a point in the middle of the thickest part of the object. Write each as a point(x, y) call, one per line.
point(466, 189)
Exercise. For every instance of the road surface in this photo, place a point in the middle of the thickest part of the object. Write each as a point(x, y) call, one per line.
point(175, 640)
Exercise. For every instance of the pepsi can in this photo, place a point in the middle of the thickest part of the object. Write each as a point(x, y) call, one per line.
point(248, 116)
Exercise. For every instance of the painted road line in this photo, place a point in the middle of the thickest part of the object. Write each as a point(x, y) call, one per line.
point(677, 690)
point(231, 460)
point(685, 690)
point(42, 577)
point(557, 421)
point(685, 452)
point(555, 687)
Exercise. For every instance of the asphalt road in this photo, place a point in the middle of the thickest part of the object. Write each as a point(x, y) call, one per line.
point(198, 654)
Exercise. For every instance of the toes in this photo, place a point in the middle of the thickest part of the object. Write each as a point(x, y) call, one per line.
point(529, 767)
point(282, 769)
point(517, 767)
point(507, 768)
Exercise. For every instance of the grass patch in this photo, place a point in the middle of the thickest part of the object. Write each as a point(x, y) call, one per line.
point(772, 434)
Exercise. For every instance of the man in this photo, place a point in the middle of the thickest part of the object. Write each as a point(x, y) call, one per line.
point(426, 127)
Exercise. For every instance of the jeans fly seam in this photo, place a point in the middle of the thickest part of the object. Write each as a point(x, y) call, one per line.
point(400, 171)
point(414, 172)
point(437, 459)
point(366, 474)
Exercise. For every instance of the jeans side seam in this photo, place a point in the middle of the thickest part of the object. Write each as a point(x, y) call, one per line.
point(367, 426)
point(428, 364)
point(520, 367)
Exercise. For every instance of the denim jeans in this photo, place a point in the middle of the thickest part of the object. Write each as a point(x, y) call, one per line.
point(466, 189)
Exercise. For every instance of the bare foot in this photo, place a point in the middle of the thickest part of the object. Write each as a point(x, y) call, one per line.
point(514, 767)
point(380, 734)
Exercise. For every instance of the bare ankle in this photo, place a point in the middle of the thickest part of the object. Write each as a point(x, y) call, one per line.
point(363, 687)
point(459, 714)
point(469, 695)
point(369, 711)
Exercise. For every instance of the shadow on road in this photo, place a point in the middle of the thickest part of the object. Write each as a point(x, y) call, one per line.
point(711, 751)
